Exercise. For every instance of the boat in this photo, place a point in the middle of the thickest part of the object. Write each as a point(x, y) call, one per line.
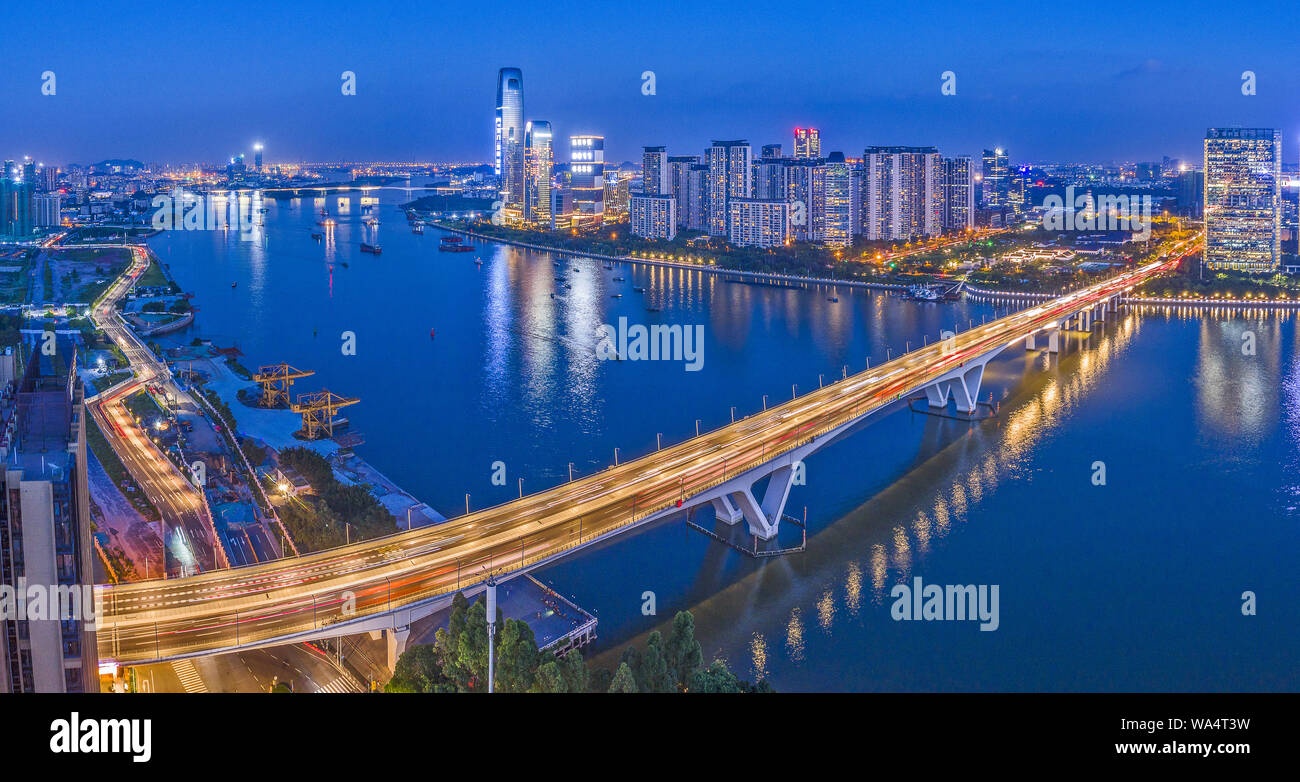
point(234, 284)
point(652, 309)
point(618, 279)
point(576, 269)
point(922, 293)
point(453, 244)
point(371, 248)
point(417, 229)
point(317, 235)
point(344, 264)
point(616, 296)
point(638, 289)
point(833, 298)
point(432, 333)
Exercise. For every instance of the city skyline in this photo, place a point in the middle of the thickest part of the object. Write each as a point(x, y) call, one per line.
point(1045, 103)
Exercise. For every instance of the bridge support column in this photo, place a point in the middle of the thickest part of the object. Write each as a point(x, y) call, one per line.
point(1054, 341)
point(764, 519)
point(726, 510)
point(397, 638)
point(1031, 343)
point(1100, 312)
point(1085, 320)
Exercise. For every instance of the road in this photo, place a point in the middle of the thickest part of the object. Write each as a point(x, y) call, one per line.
point(187, 532)
point(277, 600)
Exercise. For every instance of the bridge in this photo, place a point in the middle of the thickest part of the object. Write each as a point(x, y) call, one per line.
point(385, 584)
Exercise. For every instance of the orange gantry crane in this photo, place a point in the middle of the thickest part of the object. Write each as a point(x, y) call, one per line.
point(275, 381)
point(318, 409)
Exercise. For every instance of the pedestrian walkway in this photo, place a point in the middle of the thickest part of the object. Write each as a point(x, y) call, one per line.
point(189, 676)
point(341, 684)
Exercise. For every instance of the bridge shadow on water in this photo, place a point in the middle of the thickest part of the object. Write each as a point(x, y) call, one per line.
point(878, 502)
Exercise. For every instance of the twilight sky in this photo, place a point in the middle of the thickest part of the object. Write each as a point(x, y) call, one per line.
point(184, 82)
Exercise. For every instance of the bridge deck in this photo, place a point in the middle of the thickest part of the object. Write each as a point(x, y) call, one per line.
point(252, 605)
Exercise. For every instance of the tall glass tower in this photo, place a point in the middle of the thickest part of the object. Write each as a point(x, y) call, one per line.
point(1243, 171)
point(540, 158)
point(509, 134)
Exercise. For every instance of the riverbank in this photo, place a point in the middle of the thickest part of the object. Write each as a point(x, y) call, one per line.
point(695, 267)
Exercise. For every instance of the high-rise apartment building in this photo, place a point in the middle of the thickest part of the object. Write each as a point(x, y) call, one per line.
point(807, 143)
point(538, 162)
point(758, 222)
point(508, 135)
point(654, 171)
point(901, 193)
point(958, 194)
point(730, 176)
point(1243, 207)
point(654, 216)
point(679, 184)
point(45, 526)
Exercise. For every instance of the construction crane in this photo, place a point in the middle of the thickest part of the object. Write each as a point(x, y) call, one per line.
point(275, 381)
point(318, 409)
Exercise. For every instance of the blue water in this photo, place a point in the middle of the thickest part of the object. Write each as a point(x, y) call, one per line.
point(1133, 585)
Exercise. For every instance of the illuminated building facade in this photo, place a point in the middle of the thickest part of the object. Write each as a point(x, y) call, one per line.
point(958, 193)
point(1243, 205)
point(587, 178)
point(654, 216)
point(995, 186)
point(807, 143)
point(654, 171)
point(758, 222)
point(508, 135)
point(730, 176)
point(901, 193)
point(539, 157)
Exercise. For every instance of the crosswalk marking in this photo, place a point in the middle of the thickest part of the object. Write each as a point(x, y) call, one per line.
point(189, 676)
point(341, 684)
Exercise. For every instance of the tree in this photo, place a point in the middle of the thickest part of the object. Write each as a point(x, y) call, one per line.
point(652, 674)
point(682, 652)
point(420, 669)
point(623, 681)
point(549, 678)
point(574, 670)
point(471, 658)
point(517, 657)
point(716, 678)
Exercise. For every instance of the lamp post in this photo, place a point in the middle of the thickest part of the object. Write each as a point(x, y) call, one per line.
point(491, 625)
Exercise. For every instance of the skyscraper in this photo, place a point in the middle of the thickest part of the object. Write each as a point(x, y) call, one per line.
point(587, 171)
point(539, 158)
point(679, 184)
point(833, 201)
point(257, 158)
point(45, 525)
point(509, 135)
point(807, 143)
point(1243, 208)
point(730, 176)
point(901, 192)
point(16, 193)
point(995, 187)
point(654, 170)
point(958, 193)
